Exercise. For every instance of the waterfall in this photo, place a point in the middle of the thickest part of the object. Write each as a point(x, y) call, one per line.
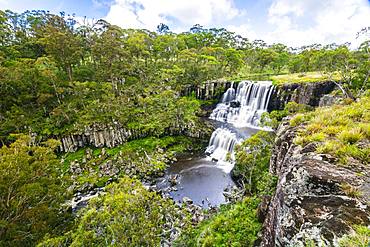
point(245, 107)
point(222, 144)
point(238, 108)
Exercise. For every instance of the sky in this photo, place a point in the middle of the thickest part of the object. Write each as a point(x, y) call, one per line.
point(292, 22)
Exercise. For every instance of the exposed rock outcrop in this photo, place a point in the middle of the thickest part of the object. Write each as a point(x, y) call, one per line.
point(301, 93)
point(100, 135)
point(310, 202)
point(328, 100)
point(212, 89)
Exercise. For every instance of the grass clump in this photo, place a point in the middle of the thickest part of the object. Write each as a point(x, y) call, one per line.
point(361, 238)
point(350, 190)
point(303, 78)
point(339, 129)
point(273, 118)
point(350, 136)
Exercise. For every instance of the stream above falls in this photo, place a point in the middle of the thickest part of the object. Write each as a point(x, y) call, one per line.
point(203, 179)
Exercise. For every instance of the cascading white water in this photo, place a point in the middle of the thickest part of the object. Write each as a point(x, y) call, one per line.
point(222, 144)
point(242, 107)
point(245, 107)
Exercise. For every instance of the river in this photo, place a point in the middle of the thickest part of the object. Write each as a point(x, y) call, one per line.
point(204, 178)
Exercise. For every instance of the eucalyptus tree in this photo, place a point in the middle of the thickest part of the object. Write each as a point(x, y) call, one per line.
point(32, 191)
point(61, 43)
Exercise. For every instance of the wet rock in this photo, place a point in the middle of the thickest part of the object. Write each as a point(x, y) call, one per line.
point(173, 180)
point(234, 104)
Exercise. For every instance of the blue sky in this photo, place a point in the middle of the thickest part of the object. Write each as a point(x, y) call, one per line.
point(293, 22)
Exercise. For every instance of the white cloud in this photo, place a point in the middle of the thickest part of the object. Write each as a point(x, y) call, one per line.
point(245, 30)
point(316, 21)
point(293, 22)
point(149, 13)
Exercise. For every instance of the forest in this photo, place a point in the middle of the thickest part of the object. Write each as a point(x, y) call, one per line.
point(60, 75)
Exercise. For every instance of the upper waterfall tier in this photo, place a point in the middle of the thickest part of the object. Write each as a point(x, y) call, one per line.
point(245, 106)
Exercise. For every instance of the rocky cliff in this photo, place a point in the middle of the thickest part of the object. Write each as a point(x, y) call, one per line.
point(208, 90)
point(314, 199)
point(301, 93)
point(100, 135)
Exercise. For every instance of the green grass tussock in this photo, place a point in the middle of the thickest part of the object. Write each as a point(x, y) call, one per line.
point(341, 130)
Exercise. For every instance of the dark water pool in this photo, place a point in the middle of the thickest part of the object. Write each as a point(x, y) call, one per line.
point(199, 179)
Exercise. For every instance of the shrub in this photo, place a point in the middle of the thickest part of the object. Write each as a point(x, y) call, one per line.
point(32, 191)
point(252, 161)
point(127, 215)
point(235, 225)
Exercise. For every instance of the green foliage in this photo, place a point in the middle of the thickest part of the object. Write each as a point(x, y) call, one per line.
point(31, 192)
point(143, 159)
point(57, 78)
point(252, 163)
point(234, 225)
point(306, 77)
point(350, 136)
point(338, 129)
point(361, 238)
point(127, 215)
point(274, 118)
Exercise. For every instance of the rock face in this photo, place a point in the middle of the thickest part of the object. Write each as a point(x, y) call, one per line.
point(208, 90)
point(100, 135)
point(311, 202)
point(328, 100)
point(301, 93)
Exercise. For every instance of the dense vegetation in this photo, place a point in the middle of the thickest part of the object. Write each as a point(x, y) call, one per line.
point(141, 159)
point(32, 190)
point(234, 225)
point(127, 215)
point(58, 77)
